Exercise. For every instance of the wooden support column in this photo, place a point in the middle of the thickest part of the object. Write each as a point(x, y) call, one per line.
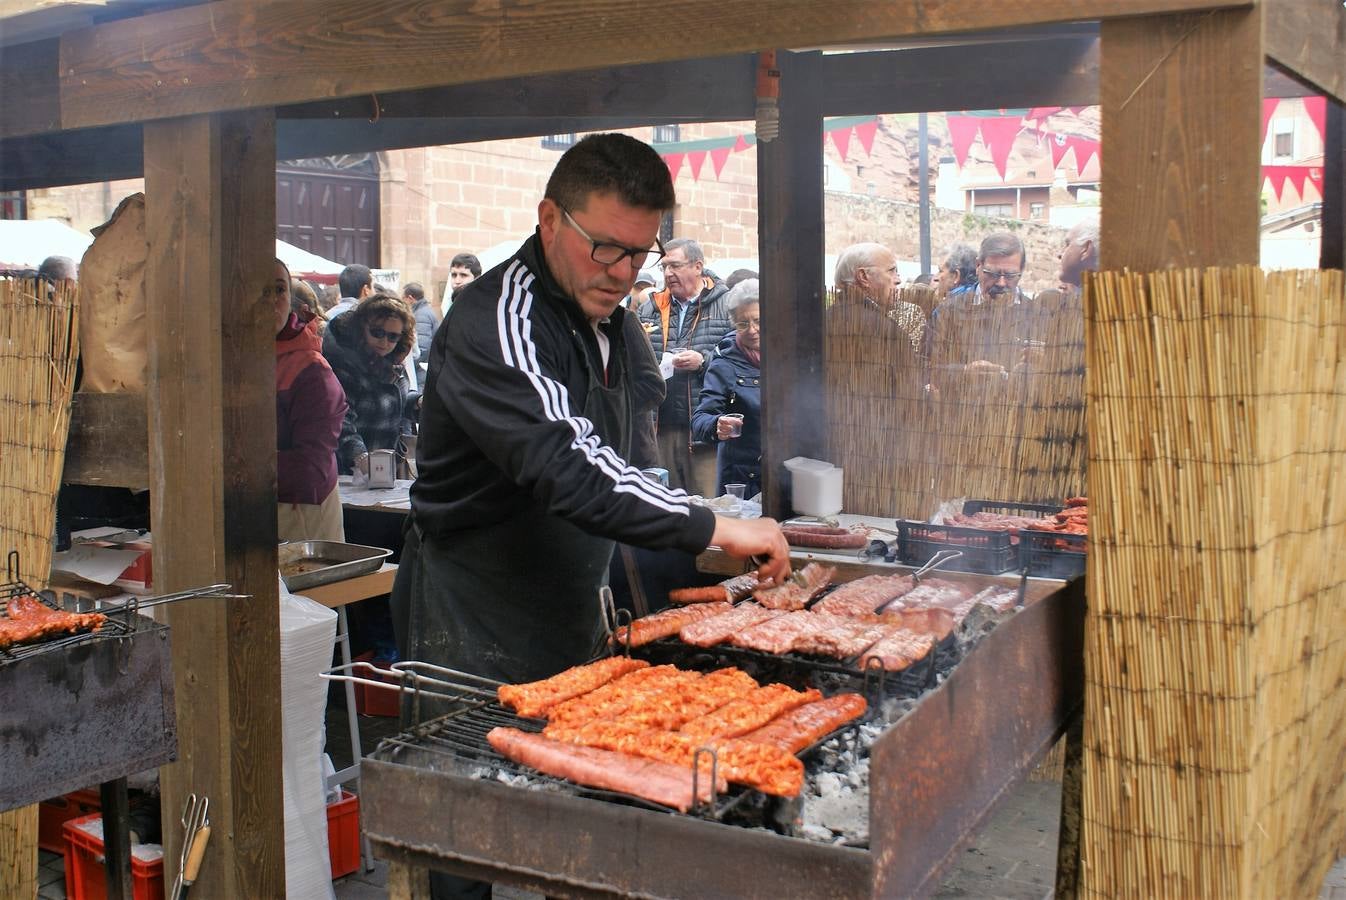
point(790, 248)
point(1332, 251)
point(1181, 97)
point(210, 201)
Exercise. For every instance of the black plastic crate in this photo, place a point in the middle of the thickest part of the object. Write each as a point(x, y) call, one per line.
point(1051, 554)
point(1011, 508)
point(985, 552)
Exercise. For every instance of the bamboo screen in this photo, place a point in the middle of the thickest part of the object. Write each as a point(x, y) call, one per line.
point(1215, 730)
point(38, 348)
point(1012, 429)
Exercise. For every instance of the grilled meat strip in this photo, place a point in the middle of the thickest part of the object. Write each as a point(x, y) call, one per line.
point(666, 622)
point(749, 713)
point(718, 629)
point(864, 595)
point(802, 726)
point(900, 649)
point(840, 637)
point(32, 620)
point(660, 782)
point(847, 540)
point(795, 593)
point(533, 699)
point(728, 591)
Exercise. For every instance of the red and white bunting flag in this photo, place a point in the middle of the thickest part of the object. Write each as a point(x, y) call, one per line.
point(998, 135)
point(1084, 151)
point(697, 158)
point(1316, 176)
point(1276, 175)
point(1269, 105)
point(1316, 107)
point(674, 163)
point(841, 139)
point(741, 144)
point(865, 132)
point(1296, 176)
point(1038, 113)
point(1058, 146)
point(718, 157)
point(962, 132)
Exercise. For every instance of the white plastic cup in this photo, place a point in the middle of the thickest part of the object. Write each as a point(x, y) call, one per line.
point(735, 423)
point(735, 490)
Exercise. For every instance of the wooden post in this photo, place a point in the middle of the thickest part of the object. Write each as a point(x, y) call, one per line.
point(1181, 97)
point(1332, 251)
point(210, 199)
point(18, 852)
point(790, 246)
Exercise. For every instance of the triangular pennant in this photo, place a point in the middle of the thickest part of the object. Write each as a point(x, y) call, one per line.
point(962, 132)
point(674, 163)
point(718, 157)
point(1084, 151)
point(865, 132)
point(998, 135)
point(841, 138)
point(1038, 113)
point(1269, 105)
point(1076, 110)
point(1276, 175)
point(741, 144)
point(1316, 107)
point(697, 158)
point(1296, 176)
point(1058, 146)
point(1316, 176)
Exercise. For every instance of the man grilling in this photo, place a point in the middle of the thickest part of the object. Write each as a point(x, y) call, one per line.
point(526, 424)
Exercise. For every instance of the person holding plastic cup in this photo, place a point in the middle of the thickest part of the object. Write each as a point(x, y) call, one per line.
point(729, 413)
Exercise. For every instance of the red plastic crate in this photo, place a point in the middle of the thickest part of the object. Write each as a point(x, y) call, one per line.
point(84, 878)
point(53, 813)
point(372, 701)
point(343, 834)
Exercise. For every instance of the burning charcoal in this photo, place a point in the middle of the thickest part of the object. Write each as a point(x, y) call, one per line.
point(829, 784)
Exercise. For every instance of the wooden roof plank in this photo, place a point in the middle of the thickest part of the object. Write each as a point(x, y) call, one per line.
point(236, 54)
point(1308, 38)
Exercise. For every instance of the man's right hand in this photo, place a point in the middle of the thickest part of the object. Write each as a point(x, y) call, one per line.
point(755, 537)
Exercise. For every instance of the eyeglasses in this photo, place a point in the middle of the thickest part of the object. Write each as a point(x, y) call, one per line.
point(993, 275)
point(609, 254)
point(674, 265)
point(379, 334)
point(748, 324)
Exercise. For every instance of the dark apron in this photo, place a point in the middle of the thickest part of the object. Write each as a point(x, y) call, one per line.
point(516, 600)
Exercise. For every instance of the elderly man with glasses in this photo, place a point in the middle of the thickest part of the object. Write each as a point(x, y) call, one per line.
point(987, 332)
point(685, 322)
point(526, 426)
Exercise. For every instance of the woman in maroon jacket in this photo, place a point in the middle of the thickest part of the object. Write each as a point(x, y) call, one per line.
point(310, 406)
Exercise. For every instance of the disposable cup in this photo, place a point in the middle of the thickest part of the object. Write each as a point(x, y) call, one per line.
point(735, 423)
point(735, 490)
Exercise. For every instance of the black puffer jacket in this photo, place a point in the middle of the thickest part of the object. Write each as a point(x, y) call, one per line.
point(704, 323)
point(733, 385)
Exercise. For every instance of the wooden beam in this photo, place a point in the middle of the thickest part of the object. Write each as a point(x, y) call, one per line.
point(790, 247)
point(718, 88)
point(108, 442)
point(1308, 37)
point(210, 204)
point(29, 88)
point(1181, 124)
point(235, 54)
point(71, 157)
point(1061, 72)
point(1332, 250)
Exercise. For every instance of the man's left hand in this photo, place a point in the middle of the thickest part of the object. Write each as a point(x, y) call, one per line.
point(687, 360)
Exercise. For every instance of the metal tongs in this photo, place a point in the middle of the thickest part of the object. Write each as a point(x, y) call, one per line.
point(213, 591)
point(417, 680)
point(196, 833)
point(939, 559)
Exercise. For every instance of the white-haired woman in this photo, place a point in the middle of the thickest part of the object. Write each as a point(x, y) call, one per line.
point(733, 389)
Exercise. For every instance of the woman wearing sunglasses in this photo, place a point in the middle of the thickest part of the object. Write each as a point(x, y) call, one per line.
point(366, 348)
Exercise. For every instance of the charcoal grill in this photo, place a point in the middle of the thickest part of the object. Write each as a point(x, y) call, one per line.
point(934, 776)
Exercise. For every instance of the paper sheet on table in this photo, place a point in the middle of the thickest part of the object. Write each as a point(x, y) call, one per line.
point(96, 534)
point(103, 565)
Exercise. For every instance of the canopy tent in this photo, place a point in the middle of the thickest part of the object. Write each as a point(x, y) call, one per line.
point(24, 243)
point(308, 266)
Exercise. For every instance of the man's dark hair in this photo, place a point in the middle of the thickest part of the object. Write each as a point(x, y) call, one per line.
point(414, 291)
point(353, 278)
point(611, 163)
point(738, 275)
point(57, 268)
point(466, 261)
point(1002, 243)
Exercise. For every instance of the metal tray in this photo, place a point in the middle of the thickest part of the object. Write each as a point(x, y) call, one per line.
point(339, 562)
